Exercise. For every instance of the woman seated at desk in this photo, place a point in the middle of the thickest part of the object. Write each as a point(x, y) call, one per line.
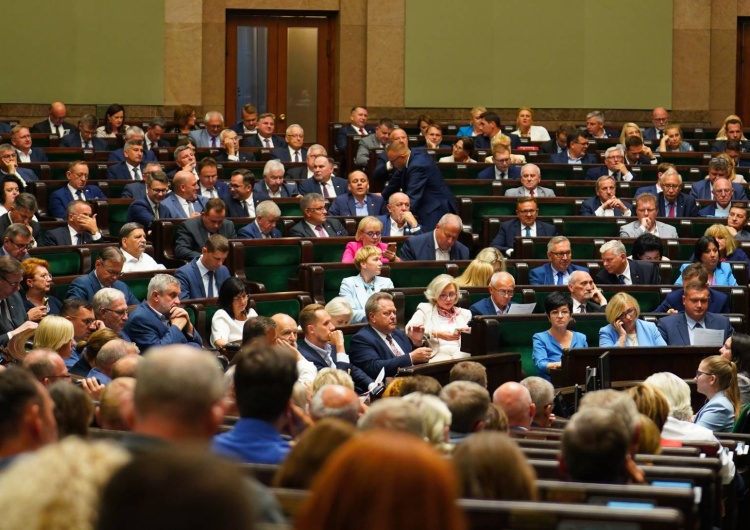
point(625, 328)
point(707, 252)
point(716, 378)
point(548, 345)
point(229, 321)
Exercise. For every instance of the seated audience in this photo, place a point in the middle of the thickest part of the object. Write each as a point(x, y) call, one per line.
point(530, 178)
point(477, 274)
point(77, 188)
point(149, 207)
point(501, 287)
point(107, 270)
point(203, 276)
point(357, 289)
point(515, 400)
point(648, 247)
point(335, 401)
point(631, 129)
point(619, 270)
point(502, 169)
point(560, 266)
point(548, 345)
point(90, 349)
point(577, 144)
point(81, 229)
point(193, 235)
point(729, 250)
point(369, 234)
point(267, 214)
point(718, 302)
point(672, 141)
point(737, 221)
point(111, 309)
point(524, 225)
point(273, 186)
point(542, 396)
point(625, 328)
point(646, 210)
point(436, 419)
point(614, 166)
point(707, 253)
point(605, 204)
point(228, 322)
point(587, 298)
point(469, 371)
point(671, 202)
point(133, 248)
point(399, 221)
point(55, 333)
point(358, 201)
point(441, 244)
point(463, 148)
point(316, 222)
point(467, 403)
point(680, 329)
point(636, 152)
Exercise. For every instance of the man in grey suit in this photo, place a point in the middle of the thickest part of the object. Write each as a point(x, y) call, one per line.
point(380, 139)
point(209, 137)
point(191, 235)
point(530, 177)
point(645, 209)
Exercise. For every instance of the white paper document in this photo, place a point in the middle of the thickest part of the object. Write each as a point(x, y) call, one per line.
point(521, 309)
point(707, 337)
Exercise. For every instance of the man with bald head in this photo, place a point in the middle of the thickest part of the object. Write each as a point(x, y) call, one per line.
point(660, 119)
point(293, 151)
point(399, 221)
point(323, 180)
point(55, 123)
point(587, 298)
point(515, 400)
point(286, 337)
point(383, 168)
point(184, 201)
point(116, 409)
point(530, 178)
point(441, 244)
point(358, 201)
point(501, 290)
point(47, 366)
point(418, 175)
point(335, 401)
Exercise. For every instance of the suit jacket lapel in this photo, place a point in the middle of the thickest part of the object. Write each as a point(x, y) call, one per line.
point(683, 329)
point(197, 276)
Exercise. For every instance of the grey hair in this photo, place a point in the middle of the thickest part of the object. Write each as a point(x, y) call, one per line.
point(435, 414)
point(677, 392)
point(180, 149)
point(672, 171)
point(538, 171)
point(267, 209)
point(393, 414)
point(618, 402)
point(272, 165)
point(133, 130)
point(110, 353)
point(618, 147)
point(348, 412)
point(288, 129)
point(17, 229)
point(211, 113)
point(614, 245)
point(132, 143)
point(310, 198)
point(556, 240)
point(318, 147)
point(542, 392)
point(339, 306)
point(596, 114)
point(104, 298)
point(160, 282)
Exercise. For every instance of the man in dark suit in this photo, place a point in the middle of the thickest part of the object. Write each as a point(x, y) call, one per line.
point(737, 220)
point(184, 202)
point(433, 138)
point(316, 222)
point(718, 302)
point(20, 137)
point(323, 345)
point(267, 214)
point(660, 119)
point(149, 207)
point(132, 134)
point(418, 175)
point(240, 201)
point(230, 151)
point(77, 188)
point(107, 268)
point(55, 123)
point(614, 160)
point(502, 168)
point(85, 136)
point(132, 167)
point(208, 176)
point(606, 203)
point(153, 140)
point(380, 345)
point(323, 181)
point(722, 193)
point(306, 171)
point(265, 139)
point(733, 149)
point(204, 276)
point(9, 166)
point(13, 316)
point(249, 122)
point(358, 125)
point(619, 270)
point(358, 202)
point(491, 127)
point(439, 245)
point(559, 268)
point(184, 157)
point(558, 144)
point(399, 221)
point(158, 320)
point(671, 202)
point(717, 168)
point(384, 170)
point(22, 211)
point(137, 189)
point(578, 143)
point(191, 235)
point(732, 131)
point(501, 290)
point(379, 140)
point(525, 225)
point(586, 297)
point(293, 151)
point(80, 230)
point(637, 153)
point(679, 329)
point(4, 128)
point(273, 186)
point(595, 126)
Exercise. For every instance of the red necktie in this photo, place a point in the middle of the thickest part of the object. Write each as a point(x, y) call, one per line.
point(671, 210)
point(531, 193)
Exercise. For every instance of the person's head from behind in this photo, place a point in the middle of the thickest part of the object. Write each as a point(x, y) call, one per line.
point(650, 402)
point(469, 371)
point(393, 414)
point(263, 381)
point(331, 376)
point(542, 396)
point(515, 400)
point(116, 408)
point(74, 410)
point(420, 383)
point(55, 333)
point(27, 419)
point(675, 390)
point(335, 401)
point(490, 465)
point(259, 331)
point(468, 404)
point(619, 403)
point(595, 447)
point(336, 500)
point(436, 417)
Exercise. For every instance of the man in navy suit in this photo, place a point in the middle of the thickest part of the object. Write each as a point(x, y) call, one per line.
point(418, 175)
point(586, 297)
point(273, 186)
point(22, 211)
point(605, 204)
point(293, 151)
point(152, 140)
point(191, 236)
point(184, 157)
point(733, 149)
point(384, 170)
point(502, 168)
point(204, 276)
point(107, 270)
point(489, 123)
point(137, 189)
point(595, 126)
point(133, 134)
point(718, 302)
point(439, 245)
point(85, 137)
point(637, 153)
point(717, 168)
point(358, 202)
point(9, 166)
point(524, 225)
point(20, 137)
point(358, 125)
point(578, 143)
point(77, 188)
point(230, 151)
point(132, 167)
point(399, 221)
point(316, 222)
point(184, 202)
point(16, 242)
point(559, 268)
point(323, 345)
point(619, 270)
point(501, 290)
point(380, 345)
point(209, 137)
point(660, 119)
point(323, 181)
point(111, 308)
point(208, 175)
point(614, 160)
point(267, 214)
point(679, 329)
point(55, 123)
point(149, 207)
point(240, 201)
point(249, 122)
point(722, 192)
point(265, 139)
point(158, 320)
point(732, 131)
point(671, 202)
point(80, 230)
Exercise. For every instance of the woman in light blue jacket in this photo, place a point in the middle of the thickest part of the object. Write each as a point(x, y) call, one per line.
point(716, 379)
point(707, 252)
point(357, 289)
point(625, 329)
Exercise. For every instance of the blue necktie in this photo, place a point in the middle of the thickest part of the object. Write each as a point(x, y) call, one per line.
point(528, 231)
point(622, 279)
point(210, 275)
point(559, 278)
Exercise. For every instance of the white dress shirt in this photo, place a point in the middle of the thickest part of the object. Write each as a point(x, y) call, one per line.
point(144, 263)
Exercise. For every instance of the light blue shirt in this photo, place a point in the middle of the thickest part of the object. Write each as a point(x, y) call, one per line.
point(691, 326)
point(360, 209)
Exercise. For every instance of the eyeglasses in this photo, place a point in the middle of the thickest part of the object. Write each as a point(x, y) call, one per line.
point(319, 209)
point(615, 157)
point(448, 296)
point(373, 235)
point(15, 285)
point(10, 156)
point(560, 313)
point(160, 191)
point(722, 192)
point(507, 293)
point(698, 373)
point(562, 253)
point(121, 312)
point(628, 313)
point(295, 135)
point(21, 247)
point(110, 271)
point(527, 212)
point(671, 186)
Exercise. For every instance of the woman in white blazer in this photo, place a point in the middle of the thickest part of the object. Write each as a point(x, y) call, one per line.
point(357, 289)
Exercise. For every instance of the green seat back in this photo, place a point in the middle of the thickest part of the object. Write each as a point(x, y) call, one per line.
point(138, 286)
point(327, 252)
point(494, 209)
point(415, 276)
point(61, 263)
point(63, 156)
point(268, 308)
point(516, 337)
point(118, 215)
point(558, 208)
point(648, 301)
point(482, 188)
point(289, 209)
point(592, 229)
point(273, 266)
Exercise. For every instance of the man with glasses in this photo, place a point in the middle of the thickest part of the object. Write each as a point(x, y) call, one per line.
point(146, 209)
point(80, 230)
point(722, 192)
point(501, 290)
point(717, 168)
point(645, 210)
point(323, 180)
point(559, 268)
point(22, 211)
point(267, 214)
point(718, 302)
point(17, 242)
point(204, 276)
point(660, 119)
point(47, 366)
point(9, 166)
point(20, 137)
point(230, 152)
point(736, 221)
point(671, 202)
point(525, 225)
point(273, 186)
point(440, 244)
point(132, 167)
point(111, 308)
point(502, 169)
point(358, 201)
point(137, 189)
point(107, 270)
point(208, 175)
point(86, 135)
point(77, 189)
point(530, 178)
point(619, 270)
point(293, 151)
point(133, 248)
point(679, 329)
point(614, 166)
point(80, 313)
point(316, 222)
point(576, 152)
point(240, 200)
point(133, 134)
point(13, 317)
point(209, 137)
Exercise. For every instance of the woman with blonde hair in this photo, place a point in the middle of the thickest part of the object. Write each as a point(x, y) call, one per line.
point(672, 141)
point(628, 130)
point(340, 310)
point(357, 289)
point(55, 333)
point(492, 256)
point(436, 419)
point(728, 247)
point(369, 234)
point(440, 320)
point(473, 128)
point(716, 378)
point(504, 141)
point(477, 274)
point(625, 328)
point(526, 129)
point(734, 177)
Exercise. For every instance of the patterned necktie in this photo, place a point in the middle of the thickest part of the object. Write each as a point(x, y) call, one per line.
point(531, 193)
point(267, 143)
point(392, 345)
point(136, 174)
point(321, 232)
